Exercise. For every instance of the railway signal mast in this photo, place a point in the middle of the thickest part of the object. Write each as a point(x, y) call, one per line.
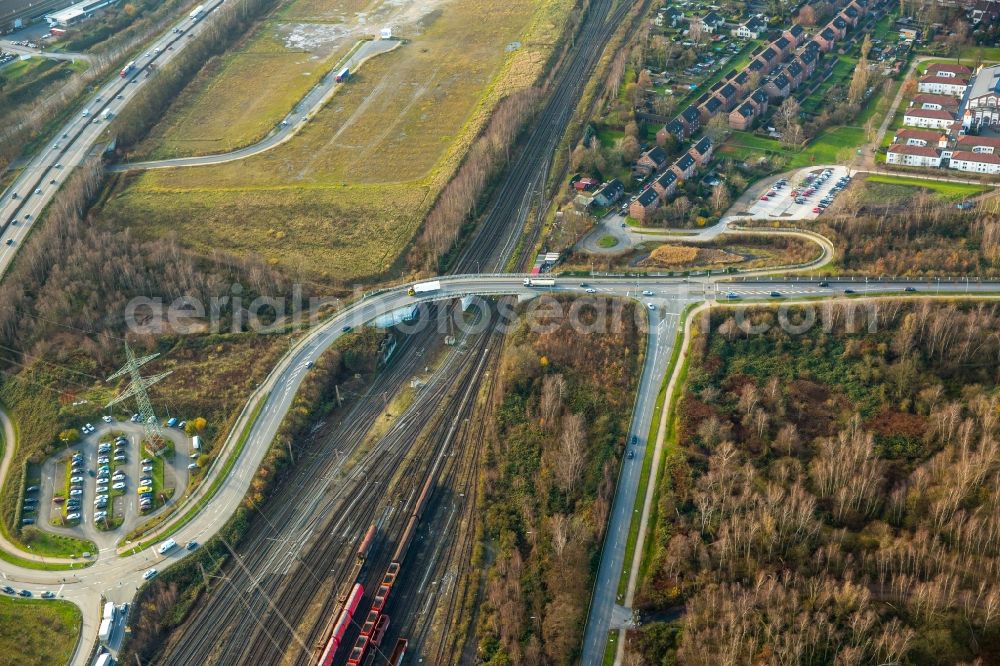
point(138, 389)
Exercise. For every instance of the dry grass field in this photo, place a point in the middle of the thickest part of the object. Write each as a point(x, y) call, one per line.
point(237, 99)
point(342, 200)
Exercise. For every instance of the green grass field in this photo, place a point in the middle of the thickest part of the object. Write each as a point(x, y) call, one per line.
point(343, 199)
point(36, 631)
point(824, 149)
point(945, 190)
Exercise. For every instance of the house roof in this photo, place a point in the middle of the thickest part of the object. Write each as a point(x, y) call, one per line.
point(712, 18)
point(794, 68)
point(839, 22)
point(612, 189)
point(685, 162)
point(968, 142)
point(930, 136)
point(960, 70)
point(851, 12)
point(947, 101)
point(933, 114)
point(945, 80)
point(657, 155)
point(782, 42)
point(728, 90)
point(828, 34)
point(781, 81)
point(647, 197)
point(807, 56)
point(666, 179)
point(755, 65)
point(758, 96)
point(703, 145)
point(770, 53)
point(796, 30)
point(916, 151)
point(675, 126)
point(982, 158)
point(712, 105)
point(691, 114)
point(742, 77)
point(745, 109)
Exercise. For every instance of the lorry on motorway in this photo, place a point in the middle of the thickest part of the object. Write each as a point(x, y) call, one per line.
point(86, 113)
point(197, 12)
point(167, 546)
point(128, 69)
point(104, 660)
point(109, 611)
point(343, 75)
point(539, 282)
point(424, 288)
point(104, 632)
point(108, 115)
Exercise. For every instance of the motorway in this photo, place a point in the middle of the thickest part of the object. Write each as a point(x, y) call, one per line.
point(117, 578)
point(39, 181)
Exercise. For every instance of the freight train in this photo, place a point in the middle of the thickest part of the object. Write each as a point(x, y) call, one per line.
point(343, 622)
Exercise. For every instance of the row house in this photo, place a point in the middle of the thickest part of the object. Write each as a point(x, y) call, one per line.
point(943, 85)
point(948, 70)
point(665, 184)
point(652, 160)
point(914, 156)
point(644, 204)
point(935, 102)
point(851, 15)
point(795, 35)
point(920, 137)
point(778, 86)
point(742, 117)
point(839, 27)
point(684, 167)
point(928, 118)
point(712, 106)
point(825, 39)
point(795, 73)
point(979, 144)
point(702, 151)
point(783, 45)
point(970, 162)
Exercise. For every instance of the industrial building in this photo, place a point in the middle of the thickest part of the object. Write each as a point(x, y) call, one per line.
point(75, 13)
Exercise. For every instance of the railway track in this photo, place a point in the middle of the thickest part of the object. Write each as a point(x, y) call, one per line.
point(255, 616)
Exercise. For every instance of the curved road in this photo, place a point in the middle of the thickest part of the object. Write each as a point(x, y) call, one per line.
point(117, 578)
point(312, 102)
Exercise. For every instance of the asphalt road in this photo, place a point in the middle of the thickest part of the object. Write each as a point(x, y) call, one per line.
point(117, 578)
point(72, 143)
point(312, 102)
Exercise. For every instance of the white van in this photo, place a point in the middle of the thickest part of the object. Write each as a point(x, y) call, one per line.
point(167, 546)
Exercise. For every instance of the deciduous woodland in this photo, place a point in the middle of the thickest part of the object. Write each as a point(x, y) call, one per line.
point(833, 495)
point(551, 462)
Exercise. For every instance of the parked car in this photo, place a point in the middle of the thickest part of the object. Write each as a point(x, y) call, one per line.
point(150, 573)
point(72, 517)
point(48, 595)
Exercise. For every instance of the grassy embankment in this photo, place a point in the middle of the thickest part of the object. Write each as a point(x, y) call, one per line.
point(37, 632)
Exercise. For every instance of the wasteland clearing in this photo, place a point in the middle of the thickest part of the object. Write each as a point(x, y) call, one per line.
point(349, 191)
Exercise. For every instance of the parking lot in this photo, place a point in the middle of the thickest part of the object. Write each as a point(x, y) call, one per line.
point(802, 196)
point(91, 490)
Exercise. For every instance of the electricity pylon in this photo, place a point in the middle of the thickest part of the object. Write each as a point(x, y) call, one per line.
point(138, 389)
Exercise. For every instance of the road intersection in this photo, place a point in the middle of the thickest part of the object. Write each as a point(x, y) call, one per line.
point(118, 577)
